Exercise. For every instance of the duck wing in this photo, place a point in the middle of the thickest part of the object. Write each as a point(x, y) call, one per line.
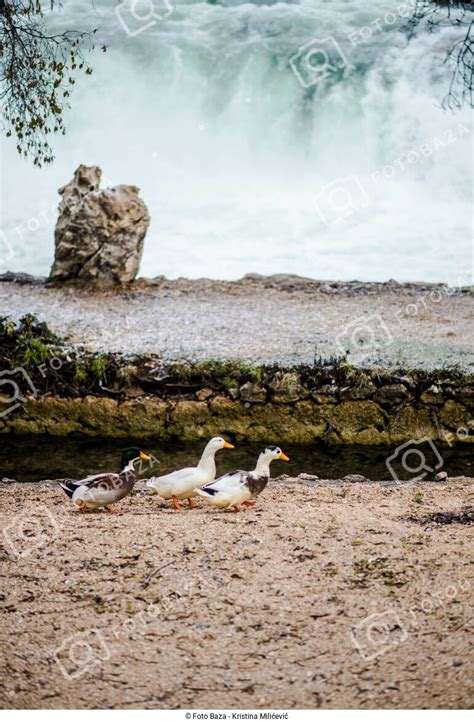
point(228, 482)
point(105, 482)
point(176, 481)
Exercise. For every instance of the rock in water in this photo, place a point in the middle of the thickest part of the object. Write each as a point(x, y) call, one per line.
point(99, 233)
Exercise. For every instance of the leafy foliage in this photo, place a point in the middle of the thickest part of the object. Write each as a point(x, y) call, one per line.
point(37, 74)
point(26, 343)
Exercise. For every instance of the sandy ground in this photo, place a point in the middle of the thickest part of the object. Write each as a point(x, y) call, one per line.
point(281, 320)
point(323, 595)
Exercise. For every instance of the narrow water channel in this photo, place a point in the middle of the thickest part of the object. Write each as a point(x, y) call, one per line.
point(36, 458)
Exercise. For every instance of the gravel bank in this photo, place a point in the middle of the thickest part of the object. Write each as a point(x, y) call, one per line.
point(268, 608)
point(274, 320)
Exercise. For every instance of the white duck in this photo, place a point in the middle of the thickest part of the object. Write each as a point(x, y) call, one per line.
point(238, 487)
point(182, 484)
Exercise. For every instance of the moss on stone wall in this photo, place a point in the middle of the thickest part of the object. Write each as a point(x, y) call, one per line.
point(72, 392)
point(357, 422)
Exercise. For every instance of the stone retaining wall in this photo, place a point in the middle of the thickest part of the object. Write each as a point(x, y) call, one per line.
point(371, 408)
point(70, 391)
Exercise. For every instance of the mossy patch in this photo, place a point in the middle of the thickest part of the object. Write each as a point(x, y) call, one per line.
point(378, 570)
point(27, 343)
point(79, 392)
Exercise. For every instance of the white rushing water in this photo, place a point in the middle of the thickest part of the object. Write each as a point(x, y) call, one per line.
point(247, 164)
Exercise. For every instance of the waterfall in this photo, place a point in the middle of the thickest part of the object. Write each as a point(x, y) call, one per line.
point(273, 137)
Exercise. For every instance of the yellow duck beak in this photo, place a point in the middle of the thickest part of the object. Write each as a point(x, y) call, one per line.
point(228, 446)
point(144, 457)
point(283, 457)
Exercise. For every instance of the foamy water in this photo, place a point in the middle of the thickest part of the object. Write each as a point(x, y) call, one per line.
point(249, 165)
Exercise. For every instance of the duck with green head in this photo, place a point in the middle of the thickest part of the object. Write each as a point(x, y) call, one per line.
point(107, 488)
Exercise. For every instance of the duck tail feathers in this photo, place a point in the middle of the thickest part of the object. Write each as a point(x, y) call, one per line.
point(207, 492)
point(68, 487)
point(151, 487)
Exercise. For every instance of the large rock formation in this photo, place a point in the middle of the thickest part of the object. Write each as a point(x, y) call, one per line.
point(99, 233)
